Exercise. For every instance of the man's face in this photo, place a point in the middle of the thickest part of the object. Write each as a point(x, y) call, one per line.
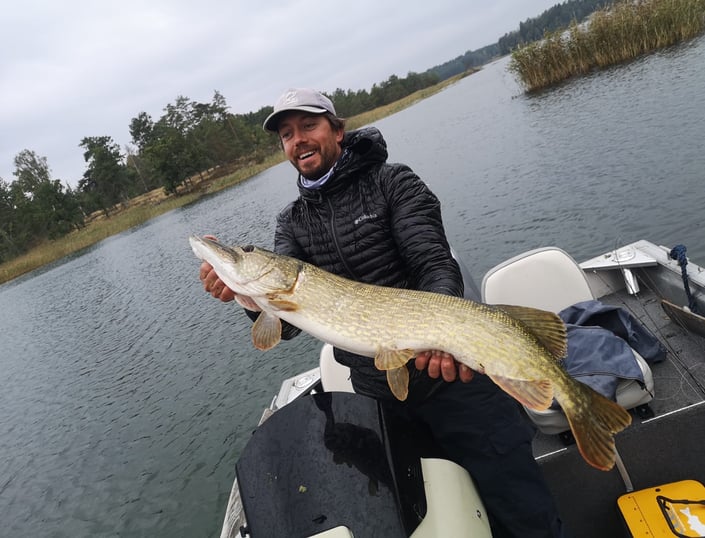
point(310, 143)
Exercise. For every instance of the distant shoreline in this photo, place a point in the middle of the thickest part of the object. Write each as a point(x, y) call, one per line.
point(154, 203)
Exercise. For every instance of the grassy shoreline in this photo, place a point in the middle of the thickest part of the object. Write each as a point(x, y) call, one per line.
point(613, 35)
point(156, 203)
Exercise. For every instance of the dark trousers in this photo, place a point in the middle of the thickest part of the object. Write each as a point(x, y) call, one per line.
point(483, 429)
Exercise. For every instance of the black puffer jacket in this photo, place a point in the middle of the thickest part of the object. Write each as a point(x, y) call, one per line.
point(377, 223)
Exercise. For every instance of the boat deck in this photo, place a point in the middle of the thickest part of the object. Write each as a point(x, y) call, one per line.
point(664, 448)
point(658, 449)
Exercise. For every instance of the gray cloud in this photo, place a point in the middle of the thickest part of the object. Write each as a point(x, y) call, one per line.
point(83, 68)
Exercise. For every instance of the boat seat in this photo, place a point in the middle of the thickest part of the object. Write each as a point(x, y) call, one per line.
point(335, 377)
point(549, 278)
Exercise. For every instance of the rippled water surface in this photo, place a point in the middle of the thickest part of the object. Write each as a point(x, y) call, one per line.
point(127, 393)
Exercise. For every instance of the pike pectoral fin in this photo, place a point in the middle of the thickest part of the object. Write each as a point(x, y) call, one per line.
point(537, 395)
point(266, 331)
point(398, 380)
point(390, 359)
point(283, 304)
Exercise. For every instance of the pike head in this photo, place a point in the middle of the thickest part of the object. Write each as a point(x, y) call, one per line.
point(248, 270)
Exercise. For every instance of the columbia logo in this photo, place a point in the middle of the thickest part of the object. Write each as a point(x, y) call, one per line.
point(363, 218)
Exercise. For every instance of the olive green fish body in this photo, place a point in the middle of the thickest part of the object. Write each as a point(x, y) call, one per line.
point(519, 348)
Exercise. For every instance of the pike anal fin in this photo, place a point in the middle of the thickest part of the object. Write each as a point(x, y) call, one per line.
point(537, 395)
point(266, 331)
point(398, 380)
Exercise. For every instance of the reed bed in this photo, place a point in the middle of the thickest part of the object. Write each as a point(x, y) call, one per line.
point(614, 35)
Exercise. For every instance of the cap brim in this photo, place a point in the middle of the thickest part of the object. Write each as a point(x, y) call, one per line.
point(270, 124)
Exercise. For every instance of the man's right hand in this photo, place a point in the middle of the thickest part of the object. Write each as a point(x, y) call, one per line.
point(213, 285)
point(217, 288)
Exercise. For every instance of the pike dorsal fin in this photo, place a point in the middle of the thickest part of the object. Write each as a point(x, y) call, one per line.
point(266, 331)
point(547, 327)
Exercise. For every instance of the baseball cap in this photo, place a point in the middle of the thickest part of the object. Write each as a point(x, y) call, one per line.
point(303, 99)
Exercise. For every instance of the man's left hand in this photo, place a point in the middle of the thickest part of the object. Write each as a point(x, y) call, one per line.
point(439, 363)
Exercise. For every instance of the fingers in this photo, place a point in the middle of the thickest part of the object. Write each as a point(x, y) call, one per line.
point(422, 359)
point(434, 366)
point(219, 290)
point(465, 373)
point(448, 367)
point(213, 285)
point(208, 276)
point(203, 271)
point(226, 295)
point(439, 364)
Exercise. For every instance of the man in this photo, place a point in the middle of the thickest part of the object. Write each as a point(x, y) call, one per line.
point(376, 222)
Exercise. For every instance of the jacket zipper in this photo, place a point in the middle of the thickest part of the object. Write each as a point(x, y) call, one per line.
point(335, 241)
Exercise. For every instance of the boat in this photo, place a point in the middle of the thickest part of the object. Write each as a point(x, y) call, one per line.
point(297, 466)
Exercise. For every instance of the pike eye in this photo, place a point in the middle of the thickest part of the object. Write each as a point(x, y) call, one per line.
point(248, 248)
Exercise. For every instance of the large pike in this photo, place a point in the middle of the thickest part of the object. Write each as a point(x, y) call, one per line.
point(519, 348)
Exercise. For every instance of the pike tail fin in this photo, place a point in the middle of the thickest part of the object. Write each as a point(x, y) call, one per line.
point(594, 423)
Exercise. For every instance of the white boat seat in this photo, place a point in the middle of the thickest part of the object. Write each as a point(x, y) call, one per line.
point(335, 377)
point(550, 279)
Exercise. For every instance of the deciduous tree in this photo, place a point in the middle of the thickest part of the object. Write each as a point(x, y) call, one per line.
point(105, 181)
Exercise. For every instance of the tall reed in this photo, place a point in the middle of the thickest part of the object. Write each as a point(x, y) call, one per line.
point(616, 34)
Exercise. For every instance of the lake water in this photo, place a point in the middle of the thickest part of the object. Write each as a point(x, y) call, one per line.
point(128, 393)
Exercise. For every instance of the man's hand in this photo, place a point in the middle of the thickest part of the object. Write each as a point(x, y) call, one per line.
point(213, 285)
point(438, 363)
point(217, 288)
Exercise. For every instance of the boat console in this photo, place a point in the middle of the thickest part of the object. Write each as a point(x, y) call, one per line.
point(328, 463)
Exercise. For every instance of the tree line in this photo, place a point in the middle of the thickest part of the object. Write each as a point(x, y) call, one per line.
point(189, 139)
point(554, 18)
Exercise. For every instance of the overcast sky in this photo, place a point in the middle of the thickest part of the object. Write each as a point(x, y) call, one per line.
point(76, 68)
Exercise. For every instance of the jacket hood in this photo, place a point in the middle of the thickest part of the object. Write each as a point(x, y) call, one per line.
point(367, 143)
